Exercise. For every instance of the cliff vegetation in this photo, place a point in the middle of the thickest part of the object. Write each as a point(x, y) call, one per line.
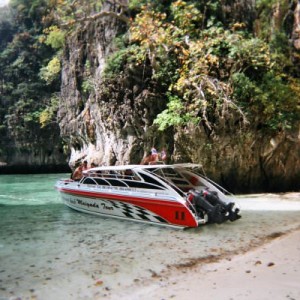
point(214, 82)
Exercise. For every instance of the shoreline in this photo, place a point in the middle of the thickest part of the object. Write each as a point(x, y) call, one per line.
point(268, 271)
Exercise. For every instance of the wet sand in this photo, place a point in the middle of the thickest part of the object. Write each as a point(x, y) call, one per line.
point(270, 271)
point(267, 270)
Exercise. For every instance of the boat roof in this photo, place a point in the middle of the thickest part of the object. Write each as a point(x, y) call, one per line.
point(141, 167)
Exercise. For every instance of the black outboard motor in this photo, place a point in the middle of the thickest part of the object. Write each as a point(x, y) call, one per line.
point(227, 208)
point(208, 202)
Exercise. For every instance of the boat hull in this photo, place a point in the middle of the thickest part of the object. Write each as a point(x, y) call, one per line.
point(159, 212)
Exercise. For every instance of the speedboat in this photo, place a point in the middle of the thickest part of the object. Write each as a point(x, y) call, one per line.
point(172, 195)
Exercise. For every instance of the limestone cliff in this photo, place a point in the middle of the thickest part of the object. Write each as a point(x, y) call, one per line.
point(111, 125)
point(244, 161)
point(114, 124)
point(37, 151)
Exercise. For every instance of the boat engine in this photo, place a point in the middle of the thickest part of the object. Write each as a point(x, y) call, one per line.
point(208, 202)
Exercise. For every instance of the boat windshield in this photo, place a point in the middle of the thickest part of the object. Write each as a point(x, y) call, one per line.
point(162, 175)
point(175, 177)
point(128, 179)
point(179, 178)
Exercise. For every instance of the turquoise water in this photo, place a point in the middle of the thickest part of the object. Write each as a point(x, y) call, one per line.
point(48, 251)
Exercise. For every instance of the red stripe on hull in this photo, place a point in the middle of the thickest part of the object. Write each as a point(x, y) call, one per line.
point(173, 212)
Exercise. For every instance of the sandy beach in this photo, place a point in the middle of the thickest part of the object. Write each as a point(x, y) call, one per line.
point(270, 271)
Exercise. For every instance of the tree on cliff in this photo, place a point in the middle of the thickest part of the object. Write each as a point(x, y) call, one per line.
point(24, 94)
point(223, 70)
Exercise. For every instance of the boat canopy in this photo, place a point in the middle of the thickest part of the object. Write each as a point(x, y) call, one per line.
point(141, 167)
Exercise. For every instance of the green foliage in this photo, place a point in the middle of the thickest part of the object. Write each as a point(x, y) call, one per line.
point(55, 37)
point(116, 62)
point(175, 115)
point(29, 15)
point(48, 115)
point(124, 55)
point(32, 116)
point(87, 86)
point(215, 72)
point(7, 28)
point(68, 12)
point(136, 5)
point(167, 73)
point(270, 11)
point(251, 55)
point(209, 68)
point(274, 101)
point(186, 17)
point(23, 93)
point(244, 89)
point(52, 71)
point(277, 101)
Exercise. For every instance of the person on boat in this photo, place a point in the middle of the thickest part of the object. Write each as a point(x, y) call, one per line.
point(149, 159)
point(85, 165)
point(78, 173)
point(93, 165)
point(128, 174)
point(146, 159)
point(154, 154)
point(163, 155)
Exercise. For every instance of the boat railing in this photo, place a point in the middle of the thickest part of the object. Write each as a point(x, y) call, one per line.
point(126, 181)
point(104, 181)
point(226, 192)
point(191, 206)
point(114, 174)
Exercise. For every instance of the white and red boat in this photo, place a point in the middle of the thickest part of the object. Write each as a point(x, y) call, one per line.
point(171, 195)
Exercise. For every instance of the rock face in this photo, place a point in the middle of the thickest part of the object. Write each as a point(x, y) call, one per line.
point(39, 151)
point(114, 124)
point(245, 161)
point(86, 124)
point(111, 125)
point(296, 27)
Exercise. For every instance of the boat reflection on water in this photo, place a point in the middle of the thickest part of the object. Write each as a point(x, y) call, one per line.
point(171, 195)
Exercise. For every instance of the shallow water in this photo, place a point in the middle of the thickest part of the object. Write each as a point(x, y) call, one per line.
point(48, 251)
